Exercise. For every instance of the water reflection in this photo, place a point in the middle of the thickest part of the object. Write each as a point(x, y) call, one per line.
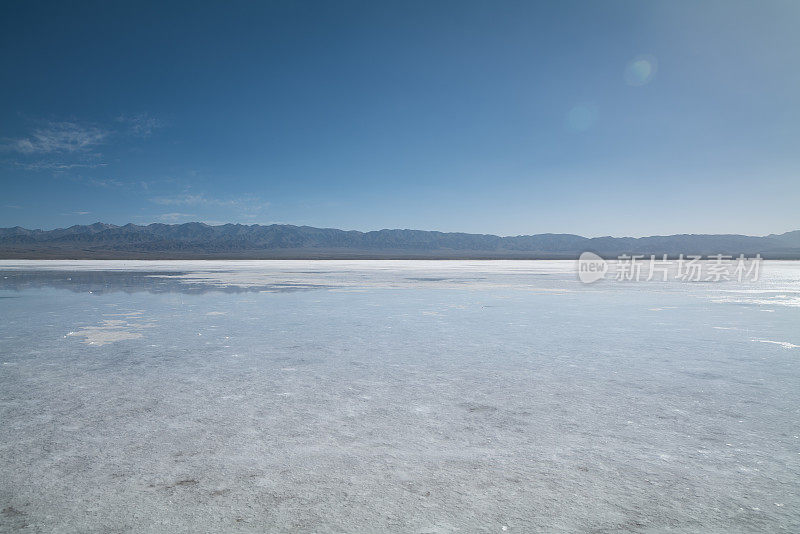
point(101, 282)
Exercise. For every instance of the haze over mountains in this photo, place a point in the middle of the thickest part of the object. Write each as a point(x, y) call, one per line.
point(199, 240)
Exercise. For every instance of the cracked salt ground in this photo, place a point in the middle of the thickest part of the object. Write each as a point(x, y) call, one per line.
point(569, 410)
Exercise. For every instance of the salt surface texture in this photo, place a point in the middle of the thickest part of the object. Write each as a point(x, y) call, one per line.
point(347, 396)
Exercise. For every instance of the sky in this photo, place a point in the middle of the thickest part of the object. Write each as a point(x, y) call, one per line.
point(504, 117)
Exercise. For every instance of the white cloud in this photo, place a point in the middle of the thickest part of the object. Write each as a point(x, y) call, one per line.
point(174, 217)
point(105, 182)
point(60, 137)
point(62, 146)
point(249, 203)
point(56, 166)
point(245, 209)
point(141, 124)
point(184, 199)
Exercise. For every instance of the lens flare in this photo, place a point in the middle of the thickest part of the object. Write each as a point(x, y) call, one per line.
point(640, 70)
point(582, 117)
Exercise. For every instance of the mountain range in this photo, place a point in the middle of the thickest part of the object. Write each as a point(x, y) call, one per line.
point(236, 241)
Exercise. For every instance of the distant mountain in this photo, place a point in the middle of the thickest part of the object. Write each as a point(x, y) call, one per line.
point(198, 240)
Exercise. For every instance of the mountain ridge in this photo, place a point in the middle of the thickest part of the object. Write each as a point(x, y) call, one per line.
point(196, 240)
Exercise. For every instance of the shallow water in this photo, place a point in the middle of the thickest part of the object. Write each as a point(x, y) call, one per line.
point(395, 396)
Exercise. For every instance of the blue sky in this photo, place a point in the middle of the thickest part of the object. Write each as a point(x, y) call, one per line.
point(595, 118)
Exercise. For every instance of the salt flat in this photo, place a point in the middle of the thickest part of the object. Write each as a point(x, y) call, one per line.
point(395, 396)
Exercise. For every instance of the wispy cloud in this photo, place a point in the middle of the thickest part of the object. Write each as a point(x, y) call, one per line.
point(141, 124)
point(57, 166)
point(104, 182)
point(59, 137)
point(248, 208)
point(184, 199)
point(190, 199)
point(61, 146)
point(175, 217)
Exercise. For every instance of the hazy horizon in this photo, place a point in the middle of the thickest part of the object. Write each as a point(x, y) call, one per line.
point(631, 235)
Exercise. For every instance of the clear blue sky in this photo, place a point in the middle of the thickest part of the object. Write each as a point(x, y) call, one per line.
point(595, 118)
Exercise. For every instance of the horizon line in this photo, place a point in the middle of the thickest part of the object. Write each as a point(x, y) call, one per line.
point(387, 229)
